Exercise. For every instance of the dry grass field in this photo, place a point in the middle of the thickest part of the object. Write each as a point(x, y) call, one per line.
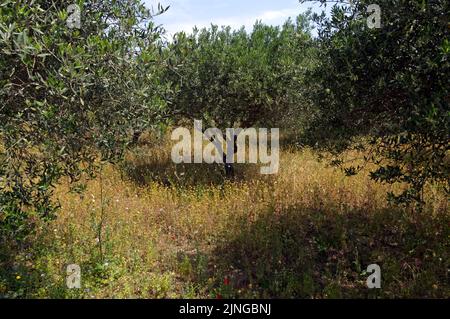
point(151, 229)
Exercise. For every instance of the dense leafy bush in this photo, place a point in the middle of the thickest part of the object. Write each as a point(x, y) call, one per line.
point(68, 95)
point(230, 78)
point(389, 84)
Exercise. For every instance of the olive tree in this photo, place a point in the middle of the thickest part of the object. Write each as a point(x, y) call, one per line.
point(69, 94)
point(388, 83)
point(231, 78)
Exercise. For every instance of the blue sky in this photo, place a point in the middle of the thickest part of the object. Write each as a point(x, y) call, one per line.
point(183, 15)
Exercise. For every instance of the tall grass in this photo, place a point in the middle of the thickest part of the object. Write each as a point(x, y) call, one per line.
point(153, 229)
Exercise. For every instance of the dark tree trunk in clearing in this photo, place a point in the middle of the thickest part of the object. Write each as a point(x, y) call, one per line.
point(229, 168)
point(135, 138)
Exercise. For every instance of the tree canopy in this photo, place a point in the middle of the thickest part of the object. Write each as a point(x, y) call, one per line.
point(389, 84)
point(69, 94)
point(231, 77)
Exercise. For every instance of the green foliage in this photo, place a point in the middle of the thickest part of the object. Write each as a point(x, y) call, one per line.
point(69, 95)
point(389, 84)
point(229, 78)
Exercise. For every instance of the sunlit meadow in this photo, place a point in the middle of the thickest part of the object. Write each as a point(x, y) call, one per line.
point(150, 228)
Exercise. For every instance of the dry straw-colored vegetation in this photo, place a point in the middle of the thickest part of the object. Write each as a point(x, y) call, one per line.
point(156, 229)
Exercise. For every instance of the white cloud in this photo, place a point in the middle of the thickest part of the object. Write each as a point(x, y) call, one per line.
point(269, 17)
point(276, 14)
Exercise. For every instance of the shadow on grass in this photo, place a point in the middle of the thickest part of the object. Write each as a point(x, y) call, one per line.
point(23, 276)
point(144, 166)
point(33, 271)
point(304, 253)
